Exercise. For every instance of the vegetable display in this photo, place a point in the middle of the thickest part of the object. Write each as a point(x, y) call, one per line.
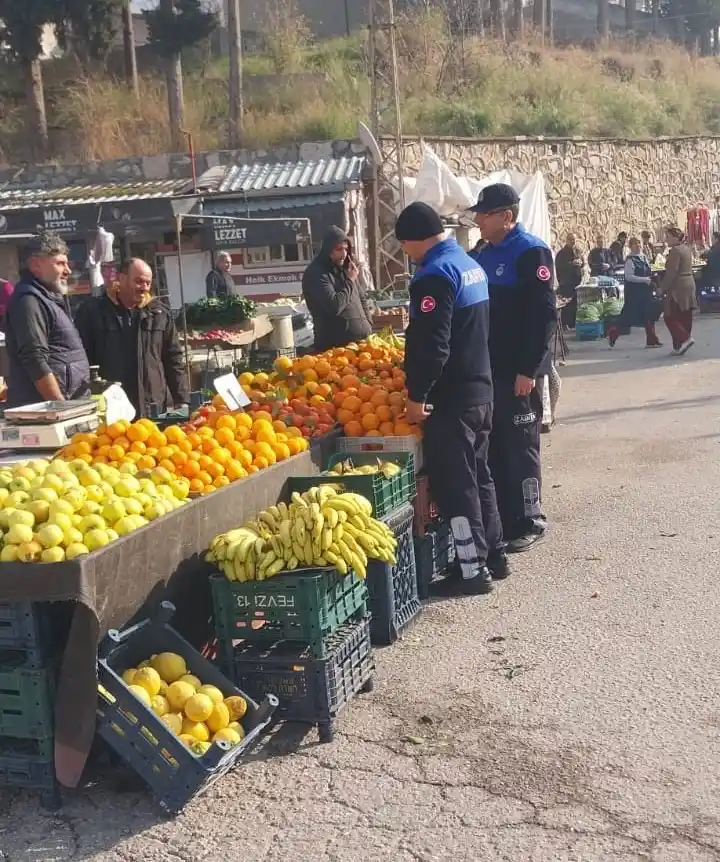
point(223, 310)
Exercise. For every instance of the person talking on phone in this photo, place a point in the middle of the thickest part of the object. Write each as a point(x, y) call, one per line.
point(450, 392)
point(523, 320)
point(334, 297)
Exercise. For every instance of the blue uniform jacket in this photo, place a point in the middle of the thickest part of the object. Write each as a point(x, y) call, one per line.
point(523, 314)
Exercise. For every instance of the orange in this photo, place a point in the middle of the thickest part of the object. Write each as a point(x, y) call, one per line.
point(220, 455)
point(373, 433)
point(292, 431)
point(366, 408)
point(103, 451)
point(370, 422)
point(204, 478)
point(115, 453)
point(343, 416)
point(264, 450)
point(253, 468)
point(146, 462)
point(204, 461)
point(281, 451)
point(117, 429)
point(365, 392)
point(221, 482)
point(156, 440)
point(208, 489)
point(295, 445)
point(262, 425)
point(354, 429)
point(224, 436)
point(82, 448)
point(103, 440)
point(86, 458)
point(132, 456)
point(403, 429)
point(245, 458)
point(379, 397)
point(194, 440)
point(168, 465)
point(383, 413)
point(323, 368)
point(227, 420)
point(137, 433)
point(151, 452)
point(243, 420)
point(196, 486)
point(234, 470)
point(351, 403)
point(174, 434)
point(279, 426)
point(263, 416)
point(205, 432)
point(138, 446)
point(250, 445)
point(242, 433)
point(190, 469)
point(266, 435)
point(209, 444)
point(387, 429)
point(165, 452)
point(214, 470)
point(179, 459)
point(185, 446)
point(99, 459)
point(261, 463)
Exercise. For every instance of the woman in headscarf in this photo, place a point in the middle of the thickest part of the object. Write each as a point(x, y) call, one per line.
point(639, 307)
point(678, 290)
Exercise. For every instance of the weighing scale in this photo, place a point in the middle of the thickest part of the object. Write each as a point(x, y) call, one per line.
point(48, 425)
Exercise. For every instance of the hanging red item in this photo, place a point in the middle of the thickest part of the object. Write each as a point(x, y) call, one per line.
point(698, 226)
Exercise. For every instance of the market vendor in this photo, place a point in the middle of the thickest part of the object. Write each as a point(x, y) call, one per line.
point(640, 307)
point(523, 319)
point(131, 336)
point(46, 359)
point(569, 264)
point(334, 297)
point(219, 282)
point(450, 390)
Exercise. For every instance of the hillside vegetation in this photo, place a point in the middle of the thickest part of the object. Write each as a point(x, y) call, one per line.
point(472, 87)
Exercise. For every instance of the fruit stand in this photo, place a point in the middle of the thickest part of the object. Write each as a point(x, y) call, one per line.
point(295, 574)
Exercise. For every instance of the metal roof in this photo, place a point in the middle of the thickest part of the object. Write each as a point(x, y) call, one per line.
point(19, 197)
point(239, 207)
point(323, 174)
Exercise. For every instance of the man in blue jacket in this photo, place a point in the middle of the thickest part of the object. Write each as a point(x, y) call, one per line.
point(450, 390)
point(523, 319)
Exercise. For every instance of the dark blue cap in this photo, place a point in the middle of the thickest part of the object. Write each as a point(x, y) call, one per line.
point(498, 196)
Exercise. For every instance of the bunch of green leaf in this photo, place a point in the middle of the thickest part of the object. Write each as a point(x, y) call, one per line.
point(590, 312)
point(219, 311)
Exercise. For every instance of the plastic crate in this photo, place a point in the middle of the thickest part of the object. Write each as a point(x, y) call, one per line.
point(263, 358)
point(434, 554)
point(29, 764)
point(304, 605)
point(309, 690)
point(425, 509)
point(26, 701)
point(356, 445)
point(394, 600)
point(384, 494)
point(322, 448)
point(145, 743)
point(34, 632)
point(589, 330)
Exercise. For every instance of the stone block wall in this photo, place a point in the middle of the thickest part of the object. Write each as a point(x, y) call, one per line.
point(597, 185)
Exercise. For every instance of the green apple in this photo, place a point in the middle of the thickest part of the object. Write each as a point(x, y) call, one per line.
point(9, 554)
point(50, 536)
point(49, 495)
point(113, 510)
point(77, 549)
point(19, 534)
point(52, 555)
point(72, 536)
point(128, 486)
point(21, 516)
point(40, 509)
point(95, 539)
point(90, 508)
point(94, 493)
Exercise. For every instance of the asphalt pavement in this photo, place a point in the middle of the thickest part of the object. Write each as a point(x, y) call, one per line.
point(572, 715)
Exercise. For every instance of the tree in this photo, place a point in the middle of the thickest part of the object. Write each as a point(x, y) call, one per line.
point(236, 76)
point(131, 71)
point(603, 20)
point(21, 31)
point(497, 19)
point(88, 28)
point(174, 26)
point(630, 15)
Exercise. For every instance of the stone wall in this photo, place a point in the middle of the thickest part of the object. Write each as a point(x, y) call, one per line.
point(591, 185)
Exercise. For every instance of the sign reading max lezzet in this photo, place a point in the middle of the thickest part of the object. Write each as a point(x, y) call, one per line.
point(256, 233)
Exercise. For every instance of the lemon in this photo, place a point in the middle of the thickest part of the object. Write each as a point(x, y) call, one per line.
point(187, 740)
point(77, 549)
point(173, 721)
point(149, 679)
point(159, 705)
point(193, 680)
point(199, 707)
point(197, 729)
point(52, 555)
point(238, 728)
point(227, 734)
point(170, 666)
point(220, 717)
point(141, 694)
point(200, 748)
point(129, 675)
point(178, 694)
point(237, 706)
point(214, 693)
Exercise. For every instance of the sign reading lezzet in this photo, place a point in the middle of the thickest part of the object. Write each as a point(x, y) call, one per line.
point(256, 233)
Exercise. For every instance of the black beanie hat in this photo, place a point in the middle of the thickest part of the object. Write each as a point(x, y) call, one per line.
point(418, 222)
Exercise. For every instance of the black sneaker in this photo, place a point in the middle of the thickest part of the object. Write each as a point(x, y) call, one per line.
point(499, 565)
point(481, 583)
point(535, 531)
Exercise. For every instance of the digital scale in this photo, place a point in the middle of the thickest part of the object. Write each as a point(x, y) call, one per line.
point(47, 425)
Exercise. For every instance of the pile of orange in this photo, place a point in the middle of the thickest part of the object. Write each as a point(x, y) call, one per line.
point(229, 447)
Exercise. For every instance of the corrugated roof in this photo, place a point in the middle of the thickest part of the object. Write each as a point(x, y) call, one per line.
point(19, 197)
point(240, 208)
point(320, 174)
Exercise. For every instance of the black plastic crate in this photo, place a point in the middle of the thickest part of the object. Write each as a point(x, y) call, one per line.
point(305, 605)
point(29, 764)
point(263, 358)
point(434, 554)
point(145, 743)
point(384, 494)
point(309, 690)
point(394, 600)
point(33, 632)
point(26, 698)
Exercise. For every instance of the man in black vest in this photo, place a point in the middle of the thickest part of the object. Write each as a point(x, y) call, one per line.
point(46, 359)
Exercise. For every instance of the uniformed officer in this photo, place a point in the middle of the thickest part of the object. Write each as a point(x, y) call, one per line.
point(523, 319)
point(450, 390)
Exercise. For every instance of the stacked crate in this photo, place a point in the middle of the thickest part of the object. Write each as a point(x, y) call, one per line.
point(29, 643)
point(434, 546)
point(303, 636)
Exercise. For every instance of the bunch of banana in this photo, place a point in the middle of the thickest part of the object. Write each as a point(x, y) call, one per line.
point(386, 338)
point(347, 468)
point(318, 528)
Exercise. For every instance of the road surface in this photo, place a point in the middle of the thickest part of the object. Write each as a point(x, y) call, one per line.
point(572, 715)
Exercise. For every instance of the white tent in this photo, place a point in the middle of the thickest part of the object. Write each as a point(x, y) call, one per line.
point(449, 194)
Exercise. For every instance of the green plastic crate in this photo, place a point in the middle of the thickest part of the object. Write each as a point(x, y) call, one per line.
point(305, 605)
point(26, 703)
point(386, 495)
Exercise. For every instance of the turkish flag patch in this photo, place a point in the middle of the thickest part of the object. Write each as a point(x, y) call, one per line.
point(427, 303)
point(543, 273)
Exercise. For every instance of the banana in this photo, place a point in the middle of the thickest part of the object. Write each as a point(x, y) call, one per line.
point(293, 563)
point(296, 498)
point(268, 519)
point(327, 538)
point(308, 517)
point(275, 568)
point(338, 532)
point(320, 562)
point(359, 522)
point(275, 512)
point(285, 533)
point(331, 516)
point(308, 550)
point(299, 551)
point(342, 516)
point(283, 510)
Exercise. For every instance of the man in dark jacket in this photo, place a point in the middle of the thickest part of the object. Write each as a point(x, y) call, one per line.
point(334, 298)
point(219, 282)
point(46, 359)
point(569, 270)
point(617, 250)
point(600, 259)
point(523, 320)
point(450, 390)
point(131, 336)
